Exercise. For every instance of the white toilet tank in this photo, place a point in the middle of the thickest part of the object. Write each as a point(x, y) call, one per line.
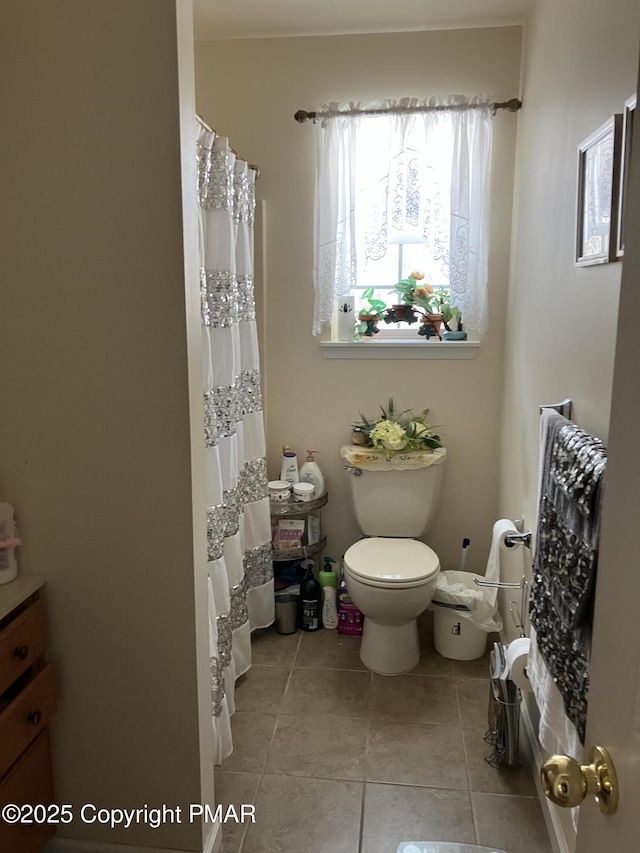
point(396, 503)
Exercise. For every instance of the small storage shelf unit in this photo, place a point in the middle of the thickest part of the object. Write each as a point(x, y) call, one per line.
point(298, 509)
point(27, 703)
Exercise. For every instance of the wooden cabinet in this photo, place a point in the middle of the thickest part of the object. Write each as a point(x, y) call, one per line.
point(27, 703)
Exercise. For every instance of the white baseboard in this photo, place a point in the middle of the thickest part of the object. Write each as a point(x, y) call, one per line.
point(559, 825)
point(72, 845)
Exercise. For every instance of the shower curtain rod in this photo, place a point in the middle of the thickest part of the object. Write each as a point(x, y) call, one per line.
point(208, 128)
point(512, 106)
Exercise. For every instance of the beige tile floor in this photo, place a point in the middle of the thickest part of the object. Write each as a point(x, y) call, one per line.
point(339, 760)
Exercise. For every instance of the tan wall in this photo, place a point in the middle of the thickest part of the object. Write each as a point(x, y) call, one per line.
point(580, 64)
point(98, 353)
point(249, 90)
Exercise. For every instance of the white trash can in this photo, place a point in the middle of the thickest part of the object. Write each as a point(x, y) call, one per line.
point(456, 637)
point(462, 634)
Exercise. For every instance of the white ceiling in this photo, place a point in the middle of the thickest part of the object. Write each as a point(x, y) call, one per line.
point(234, 19)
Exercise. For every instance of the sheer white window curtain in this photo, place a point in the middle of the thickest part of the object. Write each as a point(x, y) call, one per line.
point(400, 176)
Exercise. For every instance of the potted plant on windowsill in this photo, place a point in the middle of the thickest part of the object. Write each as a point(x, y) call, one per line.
point(403, 311)
point(419, 301)
point(442, 314)
point(369, 315)
point(432, 305)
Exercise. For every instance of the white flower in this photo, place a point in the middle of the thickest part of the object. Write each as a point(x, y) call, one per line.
point(416, 429)
point(388, 434)
point(395, 443)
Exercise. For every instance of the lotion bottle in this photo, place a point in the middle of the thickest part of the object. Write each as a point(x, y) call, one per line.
point(289, 471)
point(311, 473)
point(329, 583)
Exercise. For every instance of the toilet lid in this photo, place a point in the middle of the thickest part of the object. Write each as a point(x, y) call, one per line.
point(392, 560)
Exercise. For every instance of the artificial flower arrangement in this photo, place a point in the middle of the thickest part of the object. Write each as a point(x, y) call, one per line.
point(395, 432)
point(412, 293)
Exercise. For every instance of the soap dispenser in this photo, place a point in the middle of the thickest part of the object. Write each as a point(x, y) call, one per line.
point(329, 583)
point(311, 473)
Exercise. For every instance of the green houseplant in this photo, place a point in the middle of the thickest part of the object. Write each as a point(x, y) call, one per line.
point(369, 314)
point(411, 294)
point(416, 301)
point(430, 304)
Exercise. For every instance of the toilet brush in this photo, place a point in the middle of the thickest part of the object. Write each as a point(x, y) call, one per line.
point(463, 557)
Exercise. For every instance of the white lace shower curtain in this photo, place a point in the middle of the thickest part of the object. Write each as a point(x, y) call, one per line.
point(419, 175)
point(238, 522)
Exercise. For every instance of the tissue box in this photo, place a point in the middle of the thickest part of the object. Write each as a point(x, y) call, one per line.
point(350, 619)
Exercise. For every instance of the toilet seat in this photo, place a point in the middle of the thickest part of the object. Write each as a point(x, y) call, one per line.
point(392, 563)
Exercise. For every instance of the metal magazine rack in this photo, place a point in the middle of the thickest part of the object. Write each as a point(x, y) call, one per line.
point(503, 717)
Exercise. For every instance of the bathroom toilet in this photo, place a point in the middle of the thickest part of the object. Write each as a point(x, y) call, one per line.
point(391, 575)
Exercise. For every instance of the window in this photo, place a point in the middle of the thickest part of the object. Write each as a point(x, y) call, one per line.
point(402, 187)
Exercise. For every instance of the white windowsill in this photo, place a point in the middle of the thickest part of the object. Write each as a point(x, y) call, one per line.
point(399, 348)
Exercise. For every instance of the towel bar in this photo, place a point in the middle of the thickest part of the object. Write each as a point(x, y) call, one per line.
point(563, 408)
point(498, 584)
point(523, 585)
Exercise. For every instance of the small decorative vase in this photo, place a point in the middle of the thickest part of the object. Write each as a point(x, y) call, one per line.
point(372, 324)
point(359, 438)
point(402, 314)
point(433, 323)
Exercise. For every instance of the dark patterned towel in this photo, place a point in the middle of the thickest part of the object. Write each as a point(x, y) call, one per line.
point(565, 563)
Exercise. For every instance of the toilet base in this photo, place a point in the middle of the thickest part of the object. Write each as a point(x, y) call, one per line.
point(390, 649)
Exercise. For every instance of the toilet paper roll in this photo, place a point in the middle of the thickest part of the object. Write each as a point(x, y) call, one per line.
point(501, 528)
point(517, 659)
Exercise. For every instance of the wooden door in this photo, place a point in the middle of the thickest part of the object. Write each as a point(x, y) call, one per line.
point(614, 697)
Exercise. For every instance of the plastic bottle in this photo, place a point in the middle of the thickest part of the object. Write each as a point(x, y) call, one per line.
point(310, 600)
point(329, 583)
point(350, 619)
point(8, 542)
point(289, 471)
point(311, 473)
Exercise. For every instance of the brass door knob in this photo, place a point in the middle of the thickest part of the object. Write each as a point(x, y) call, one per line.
point(567, 783)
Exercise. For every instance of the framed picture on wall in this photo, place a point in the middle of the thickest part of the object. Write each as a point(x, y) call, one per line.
point(628, 119)
point(598, 184)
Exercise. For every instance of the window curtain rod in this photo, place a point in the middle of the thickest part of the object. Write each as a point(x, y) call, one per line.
point(209, 129)
point(512, 106)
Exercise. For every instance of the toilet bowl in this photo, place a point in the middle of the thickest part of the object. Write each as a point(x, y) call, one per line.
point(392, 581)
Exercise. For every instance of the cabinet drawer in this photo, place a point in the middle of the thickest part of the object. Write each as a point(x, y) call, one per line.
point(21, 643)
point(29, 782)
point(26, 716)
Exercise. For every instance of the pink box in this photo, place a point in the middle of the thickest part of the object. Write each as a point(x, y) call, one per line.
point(350, 619)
